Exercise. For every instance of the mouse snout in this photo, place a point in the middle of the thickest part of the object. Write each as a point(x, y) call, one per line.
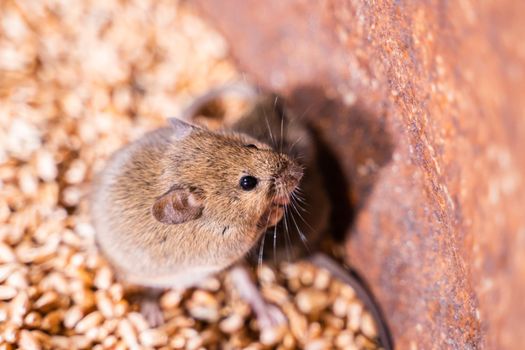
point(292, 175)
point(288, 179)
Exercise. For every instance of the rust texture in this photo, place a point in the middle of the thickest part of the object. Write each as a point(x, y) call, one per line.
point(422, 104)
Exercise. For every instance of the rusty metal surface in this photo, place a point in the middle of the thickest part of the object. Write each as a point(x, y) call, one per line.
point(423, 104)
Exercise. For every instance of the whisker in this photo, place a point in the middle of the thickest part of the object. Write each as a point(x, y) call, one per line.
point(298, 193)
point(274, 243)
point(290, 150)
point(299, 202)
point(298, 206)
point(279, 193)
point(300, 233)
point(301, 198)
point(304, 210)
point(288, 241)
point(299, 190)
point(301, 116)
point(269, 129)
point(302, 236)
point(261, 248)
point(298, 158)
point(282, 136)
point(301, 217)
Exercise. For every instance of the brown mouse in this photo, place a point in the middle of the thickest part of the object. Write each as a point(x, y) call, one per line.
point(182, 203)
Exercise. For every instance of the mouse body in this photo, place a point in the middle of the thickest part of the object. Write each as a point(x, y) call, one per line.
point(182, 203)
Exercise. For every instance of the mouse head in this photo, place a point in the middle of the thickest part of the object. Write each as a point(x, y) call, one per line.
point(224, 179)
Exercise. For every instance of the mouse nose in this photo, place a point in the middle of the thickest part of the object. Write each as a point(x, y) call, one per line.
point(287, 181)
point(291, 175)
point(295, 174)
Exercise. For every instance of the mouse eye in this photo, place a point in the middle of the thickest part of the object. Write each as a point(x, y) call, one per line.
point(251, 145)
point(248, 183)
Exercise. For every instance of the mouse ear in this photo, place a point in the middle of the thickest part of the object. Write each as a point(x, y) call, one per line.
point(177, 206)
point(181, 128)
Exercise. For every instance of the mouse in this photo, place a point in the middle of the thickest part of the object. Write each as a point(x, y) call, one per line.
point(182, 203)
point(214, 192)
